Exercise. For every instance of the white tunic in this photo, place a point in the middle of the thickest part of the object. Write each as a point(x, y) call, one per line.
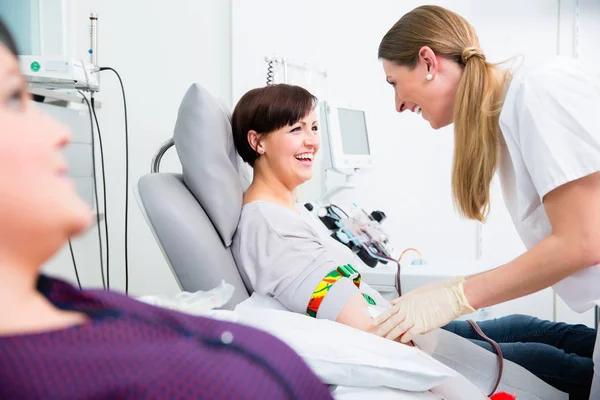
point(550, 123)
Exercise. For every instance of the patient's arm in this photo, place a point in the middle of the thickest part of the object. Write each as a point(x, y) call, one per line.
point(356, 314)
point(343, 302)
point(284, 257)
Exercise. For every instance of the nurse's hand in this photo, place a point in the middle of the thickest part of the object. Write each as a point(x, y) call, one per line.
point(423, 310)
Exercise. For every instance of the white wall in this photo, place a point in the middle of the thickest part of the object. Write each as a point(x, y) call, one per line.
point(22, 18)
point(159, 48)
point(411, 181)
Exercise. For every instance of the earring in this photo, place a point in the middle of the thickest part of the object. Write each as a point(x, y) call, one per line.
point(429, 77)
point(261, 151)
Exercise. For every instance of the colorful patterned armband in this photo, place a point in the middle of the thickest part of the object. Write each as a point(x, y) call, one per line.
point(343, 271)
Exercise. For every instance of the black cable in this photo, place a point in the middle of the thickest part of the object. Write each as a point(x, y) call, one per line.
point(95, 187)
point(332, 206)
point(398, 269)
point(74, 264)
point(104, 194)
point(126, 175)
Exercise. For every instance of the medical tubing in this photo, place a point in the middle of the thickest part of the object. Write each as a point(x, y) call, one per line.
point(407, 250)
point(398, 268)
point(332, 206)
point(95, 187)
point(398, 271)
point(74, 264)
point(498, 350)
point(398, 279)
point(104, 194)
point(126, 175)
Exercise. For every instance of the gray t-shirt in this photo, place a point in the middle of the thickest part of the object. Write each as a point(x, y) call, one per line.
point(280, 254)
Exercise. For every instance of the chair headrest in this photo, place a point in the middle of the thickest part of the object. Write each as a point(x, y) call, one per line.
point(204, 144)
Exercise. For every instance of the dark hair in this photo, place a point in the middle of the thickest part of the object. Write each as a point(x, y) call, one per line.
point(7, 39)
point(265, 110)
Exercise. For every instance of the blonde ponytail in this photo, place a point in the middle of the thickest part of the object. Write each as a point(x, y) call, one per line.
point(476, 134)
point(478, 98)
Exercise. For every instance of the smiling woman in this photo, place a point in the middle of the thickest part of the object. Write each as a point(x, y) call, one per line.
point(275, 130)
point(538, 127)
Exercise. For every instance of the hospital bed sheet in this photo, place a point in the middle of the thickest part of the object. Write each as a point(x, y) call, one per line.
point(380, 393)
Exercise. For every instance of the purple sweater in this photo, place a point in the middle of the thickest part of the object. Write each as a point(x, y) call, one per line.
point(131, 350)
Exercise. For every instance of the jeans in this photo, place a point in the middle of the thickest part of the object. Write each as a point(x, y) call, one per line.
point(596, 382)
point(560, 354)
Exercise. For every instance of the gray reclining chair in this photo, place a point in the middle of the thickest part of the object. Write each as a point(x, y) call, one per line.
point(195, 230)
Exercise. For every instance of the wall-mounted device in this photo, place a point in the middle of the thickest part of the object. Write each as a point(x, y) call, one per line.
point(346, 146)
point(59, 73)
point(346, 138)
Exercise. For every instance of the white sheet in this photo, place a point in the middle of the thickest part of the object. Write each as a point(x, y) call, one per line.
point(341, 355)
point(380, 393)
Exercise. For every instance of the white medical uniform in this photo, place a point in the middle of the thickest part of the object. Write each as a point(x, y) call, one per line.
point(550, 123)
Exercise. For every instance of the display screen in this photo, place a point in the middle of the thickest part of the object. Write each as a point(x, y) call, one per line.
point(353, 127)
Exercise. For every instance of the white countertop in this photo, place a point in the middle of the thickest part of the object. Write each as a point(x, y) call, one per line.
point(414, 275)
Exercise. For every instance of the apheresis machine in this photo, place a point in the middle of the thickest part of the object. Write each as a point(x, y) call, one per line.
point(346, 151)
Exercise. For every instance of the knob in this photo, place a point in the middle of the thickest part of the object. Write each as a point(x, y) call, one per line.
point(342, 237)
point(329, 222)
point(378, 216)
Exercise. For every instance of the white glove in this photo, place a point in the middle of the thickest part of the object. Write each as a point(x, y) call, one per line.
point(429, 286)
point(423, 310)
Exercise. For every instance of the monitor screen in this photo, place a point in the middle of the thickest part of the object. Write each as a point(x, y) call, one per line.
point(353, 127)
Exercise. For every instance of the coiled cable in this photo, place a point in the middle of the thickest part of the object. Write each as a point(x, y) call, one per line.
point(271, 72)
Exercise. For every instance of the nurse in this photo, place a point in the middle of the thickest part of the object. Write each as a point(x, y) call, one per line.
point(539, 129)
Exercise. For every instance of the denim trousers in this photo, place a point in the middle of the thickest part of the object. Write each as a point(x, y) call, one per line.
point(558, 353)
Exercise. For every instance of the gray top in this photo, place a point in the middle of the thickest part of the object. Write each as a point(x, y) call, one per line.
point(280, 254)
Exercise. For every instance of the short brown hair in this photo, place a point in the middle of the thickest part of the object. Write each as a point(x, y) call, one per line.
point(265, 110)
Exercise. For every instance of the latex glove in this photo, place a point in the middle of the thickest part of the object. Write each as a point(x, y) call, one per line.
point(421, 311)
point(429, 286)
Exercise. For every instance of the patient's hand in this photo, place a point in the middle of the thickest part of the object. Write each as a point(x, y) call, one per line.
point(356, 313)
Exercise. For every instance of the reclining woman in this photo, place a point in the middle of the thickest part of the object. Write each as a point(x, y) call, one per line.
point(58, 342)
point(281, 255)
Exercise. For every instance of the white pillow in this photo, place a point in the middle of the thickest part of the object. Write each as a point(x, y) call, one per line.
point(263, 302)
point(380, 393)
point(342, 355)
